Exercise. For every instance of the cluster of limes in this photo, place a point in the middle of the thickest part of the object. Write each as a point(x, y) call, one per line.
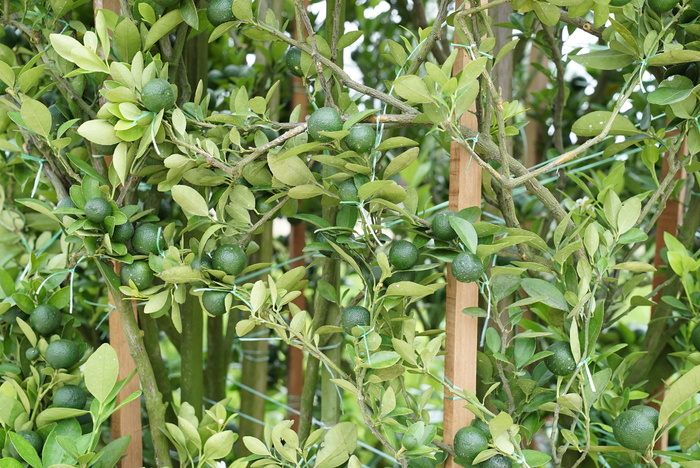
point(360, 139)
point(635, 428)
point(470, 441)
point(60, 354)
point(228, 258)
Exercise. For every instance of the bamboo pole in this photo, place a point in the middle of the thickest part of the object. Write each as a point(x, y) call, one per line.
point(462, 329)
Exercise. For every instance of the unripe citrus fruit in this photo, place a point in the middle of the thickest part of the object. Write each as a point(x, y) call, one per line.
point(325, 119)
point(662, 6)
point(467, 267)
point(45, 319)
point(97, 209)
point(202, 263)
point(479, 424)
point(32, 354)
point(138, 272)
point(11, 314)
point(214, 302)
point(157, 94)
point(497, 461)
point(361, 138)
point(70, 396)
point(355, 316)
point(146, 239)
point(230, 259)
point(695, 337)
point(442, 229)
point(347, 190)
point(34, 440)
point(292, 59)
point(634, 430)
point(262, 206)
point(410, 442)
point(470, 442)
point(649, 412)
point(220, 12)
point(403, 255)
point(562, 361)
point(123, 232)
point(62, 354)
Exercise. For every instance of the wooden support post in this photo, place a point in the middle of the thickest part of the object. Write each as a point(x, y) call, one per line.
point(462, 329)
point(533, 130)
point(668, 222)
point(126, 421)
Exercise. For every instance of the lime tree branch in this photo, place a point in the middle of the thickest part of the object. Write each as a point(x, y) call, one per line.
point(432, 37)
point(264, 219)
point(315, 55)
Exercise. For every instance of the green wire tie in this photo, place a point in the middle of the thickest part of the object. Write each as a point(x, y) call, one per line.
point(471, 48)
point(153, 123)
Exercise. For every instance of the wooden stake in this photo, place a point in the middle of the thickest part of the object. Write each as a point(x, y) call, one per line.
point(126, 421)
point(295, 357)
point(462, 329)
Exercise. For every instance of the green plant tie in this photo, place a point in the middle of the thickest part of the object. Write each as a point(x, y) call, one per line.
point(644, 64)
point(584, 364)
point(38, 173)
point(153, 124)
point(158, 235)
point(471, 48)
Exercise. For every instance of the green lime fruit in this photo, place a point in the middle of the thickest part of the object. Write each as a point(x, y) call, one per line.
point(138, 272)
point(10, 316)
point(270, 133)
point(214, 302)
point(470, 442)
point(220, 12)
point(361, 138)
point(167, 3)
point(62, 354)
point(147, 239)
point(634, 430)
point(232, 71)
point(355, 316)
point(10, 38)
point(57, 118)
point(403, 255)
point(157, 95)
point(32, 354)
point(442, 229)
point(695, 337)
point(619, 3)
point(649, 412)
point(66, 202)
point(347, 191)
point(215, 75)
point(202, 263)
point(662, 6)
point(45, 319)
point(467, 267)
point(497, 461)
point(34, 440)
point(70, 396)
point(479, 424)
point(97, 209)
point(230, 259)
point(292, 59)
point(123, 232)
point(410, 441)
point(562, 361)
point(325, 119)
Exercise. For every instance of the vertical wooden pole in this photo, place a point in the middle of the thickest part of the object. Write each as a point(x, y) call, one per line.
point(462, 330)
point(668, 222)
point(297, 242)
point(126, 421)
point(533, 130)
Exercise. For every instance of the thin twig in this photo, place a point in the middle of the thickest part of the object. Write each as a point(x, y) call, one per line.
point(265, 218)
point(315, 55)
point(431, 39)
point(582, 24)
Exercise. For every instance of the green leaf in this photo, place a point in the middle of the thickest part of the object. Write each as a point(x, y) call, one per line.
point(689, 436)
point(548, 14)
point(673, 57)
point(634, 266)
point(680, 391)
point(465, 231)
point(101, 372)
point(127, 40)
point(89, 60)
point(99, 131)
point(7, 76)
point(189, 13)
point(303, 192)
point(36, 117)
point(219, 445)
point(56, 414)
point(412, 89)
point(591, 125)
point(338, 444)
point(25, 450)
point(382, 359)
point(504, 285)
point(395, 142)
point(64, 45)
point(536, 287)
point(535, 457)
point(255, 446)
point(401, 162)
point(349, 38)
point(112, 453)
point(190, 200)
point(524, 350)
point(243, 10)
point(162, 27)
point(665, 95)
point(53, 453)
point(290, 171)
point(603, 59)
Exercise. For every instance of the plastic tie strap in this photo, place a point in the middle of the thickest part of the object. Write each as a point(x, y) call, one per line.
point(471, 48)
point(38, 173)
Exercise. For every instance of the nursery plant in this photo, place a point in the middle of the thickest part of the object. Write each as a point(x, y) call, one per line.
point(149, 148)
